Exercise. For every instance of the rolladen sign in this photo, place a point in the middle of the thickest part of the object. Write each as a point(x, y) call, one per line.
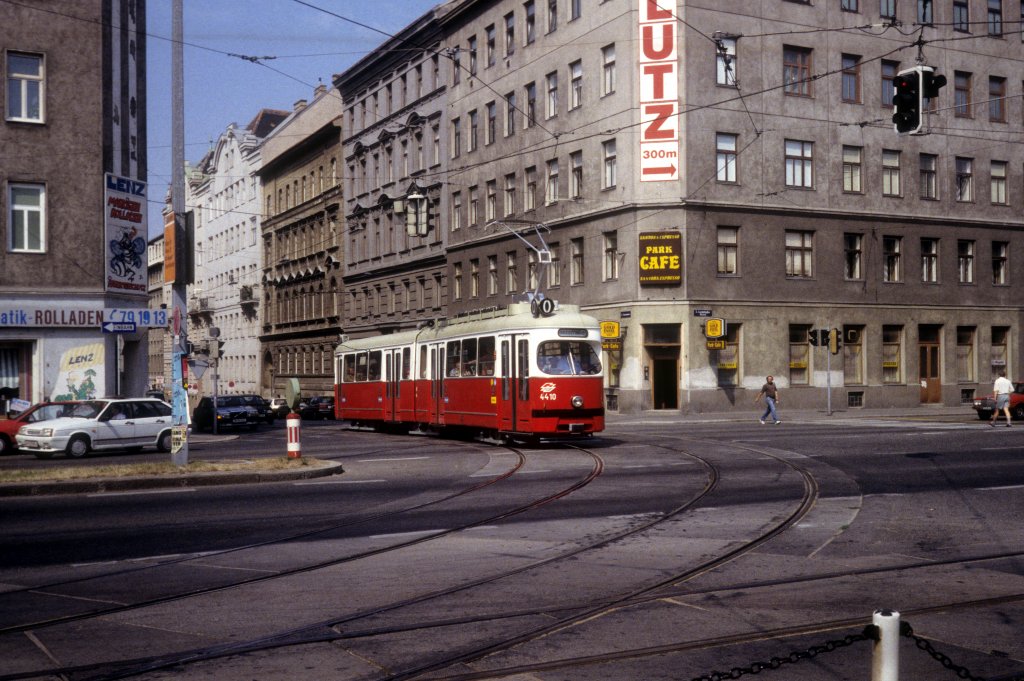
point(661, 258)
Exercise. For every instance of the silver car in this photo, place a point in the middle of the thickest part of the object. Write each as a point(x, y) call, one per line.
point(101, 424)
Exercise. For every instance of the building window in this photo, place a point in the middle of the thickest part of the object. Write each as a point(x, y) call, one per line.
point(849, 5)
point(474, 205)
point(799, 354)
point(799, 160)
point(575, 85)
point(728, 251)
point(892, 354)
point(799, 254)
point(551, 191)
point(474, 130)
point(929, 176)
point(456, 213)
point(26, 92)
point(26, 222)
point(456, 137)
point(531, 105)
point(965, 354)
point(961, 94)
point(555, 267)
point(552, 16)
point(729, 358)
point(925, 12)
point(492, 45)
point(492, 123)
point(853, 355)
point(889, 71)
point(891, 173)
point(930, 260)
point(961, 16)
point(965, 260)
point(472, 56)
point(995, 18)
point(608, 150)
point(998, 178)
point(852, 169)
point(796, 71)
point(887, 9)
point(576, 253)
point(511, 276)
point(997, 99)
point(531, 22)
point(576, 175)
point(725, 59)
point(853, 251)
point(851, 78)
point(474, 278)
point(531, 188)
point(1000, 263)
point(510, 194)
point(611, 255)
point(892, 262)
point(726, 156)
point(552, 99)
point(491, 201)
point(510, 114)
point(510, 34)
point(532, 280)
point(607, 70)
point(457, 282)
point(575, 9)
point(492, 275)
point(964, 179)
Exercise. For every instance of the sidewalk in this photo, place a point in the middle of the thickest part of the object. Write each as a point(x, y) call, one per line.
point(745, 413)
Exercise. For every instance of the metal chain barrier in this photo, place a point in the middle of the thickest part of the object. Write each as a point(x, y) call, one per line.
point(869, 633)
point(943, 659)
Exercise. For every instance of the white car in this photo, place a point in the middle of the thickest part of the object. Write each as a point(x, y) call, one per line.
point(113, 423)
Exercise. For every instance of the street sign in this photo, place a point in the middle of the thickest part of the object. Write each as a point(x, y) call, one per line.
point(136, 316)
point(118, 327)
point(702, 312)
point(716, 344)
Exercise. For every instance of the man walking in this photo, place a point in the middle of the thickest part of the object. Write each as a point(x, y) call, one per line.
point(770, 392)
point(1002, 388)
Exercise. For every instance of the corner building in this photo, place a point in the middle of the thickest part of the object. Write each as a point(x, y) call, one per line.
point(743, 166)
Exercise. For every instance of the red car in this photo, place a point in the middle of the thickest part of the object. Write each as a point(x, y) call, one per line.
point(986, 406)
point(37, 412)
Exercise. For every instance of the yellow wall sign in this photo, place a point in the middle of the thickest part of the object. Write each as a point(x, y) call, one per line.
point(609, 329)
point(715, 344)
point(714, 327)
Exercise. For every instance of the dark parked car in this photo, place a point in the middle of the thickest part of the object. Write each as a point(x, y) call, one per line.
point(42, 411)
point(261, 406)
point(318, 408)
point(232, 412)
point(986, 406)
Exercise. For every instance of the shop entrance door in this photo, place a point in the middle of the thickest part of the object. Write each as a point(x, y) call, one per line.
point(929, 362)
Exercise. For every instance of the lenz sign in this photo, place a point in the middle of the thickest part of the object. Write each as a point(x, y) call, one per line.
point(661, 259)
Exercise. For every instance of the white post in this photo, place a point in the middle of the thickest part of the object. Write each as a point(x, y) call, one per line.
point(885, 663)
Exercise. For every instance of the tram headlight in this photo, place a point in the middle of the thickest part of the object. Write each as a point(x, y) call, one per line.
point(577, 401)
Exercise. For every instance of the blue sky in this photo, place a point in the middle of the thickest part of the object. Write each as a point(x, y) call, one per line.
point(309, 45)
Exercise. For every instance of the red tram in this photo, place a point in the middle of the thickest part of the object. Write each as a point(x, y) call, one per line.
point(502, 373)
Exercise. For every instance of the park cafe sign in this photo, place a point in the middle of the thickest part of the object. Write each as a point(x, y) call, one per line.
point(661, 260)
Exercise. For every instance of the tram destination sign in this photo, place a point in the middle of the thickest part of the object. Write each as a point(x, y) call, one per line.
point(661, 260)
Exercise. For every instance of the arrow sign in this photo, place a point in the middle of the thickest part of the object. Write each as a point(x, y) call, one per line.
point(118, 327)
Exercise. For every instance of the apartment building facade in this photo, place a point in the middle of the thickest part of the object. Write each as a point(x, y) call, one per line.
point(73, 197)
point(742, 166)
point(300, 237)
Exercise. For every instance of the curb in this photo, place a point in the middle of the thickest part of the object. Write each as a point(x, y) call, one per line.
point(98, 485)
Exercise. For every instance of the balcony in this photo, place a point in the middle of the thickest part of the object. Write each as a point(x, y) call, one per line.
point(246, 296)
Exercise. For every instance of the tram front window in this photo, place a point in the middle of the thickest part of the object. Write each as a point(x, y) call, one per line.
point(568, 358)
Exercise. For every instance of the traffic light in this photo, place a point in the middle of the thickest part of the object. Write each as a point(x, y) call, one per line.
point(835, 341)
point(907, 100)
point(812, 337)
point(216, 348)
point(931, 83)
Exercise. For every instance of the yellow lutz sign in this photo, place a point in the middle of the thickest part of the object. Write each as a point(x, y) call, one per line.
point(609, 329)
point(714, 327)
point(661, 258)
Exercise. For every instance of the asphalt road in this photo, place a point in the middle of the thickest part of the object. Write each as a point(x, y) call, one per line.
point(662, 550)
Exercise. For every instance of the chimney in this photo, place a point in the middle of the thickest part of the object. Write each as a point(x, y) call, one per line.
point(300, 105)
point(319, 90)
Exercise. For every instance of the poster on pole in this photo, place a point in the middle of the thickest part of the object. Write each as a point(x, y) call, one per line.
point(126, 228)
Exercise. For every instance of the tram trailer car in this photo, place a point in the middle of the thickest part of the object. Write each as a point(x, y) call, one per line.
point(503, 373)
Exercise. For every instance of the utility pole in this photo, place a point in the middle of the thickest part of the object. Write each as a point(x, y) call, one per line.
point(179, 394)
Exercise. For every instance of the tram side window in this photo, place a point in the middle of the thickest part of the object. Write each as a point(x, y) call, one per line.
point(486, 359)
point(406, 368)
point(469, 357)
point(423, 361)
point(568, 358)
point(374, 371)
point(361, 366)
point(453, 354)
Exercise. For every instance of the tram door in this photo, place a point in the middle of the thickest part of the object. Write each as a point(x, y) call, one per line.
point(514, 401)
point(436, 383)
point(392, 373)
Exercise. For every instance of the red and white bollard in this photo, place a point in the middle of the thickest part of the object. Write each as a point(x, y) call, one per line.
point(294, 444)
